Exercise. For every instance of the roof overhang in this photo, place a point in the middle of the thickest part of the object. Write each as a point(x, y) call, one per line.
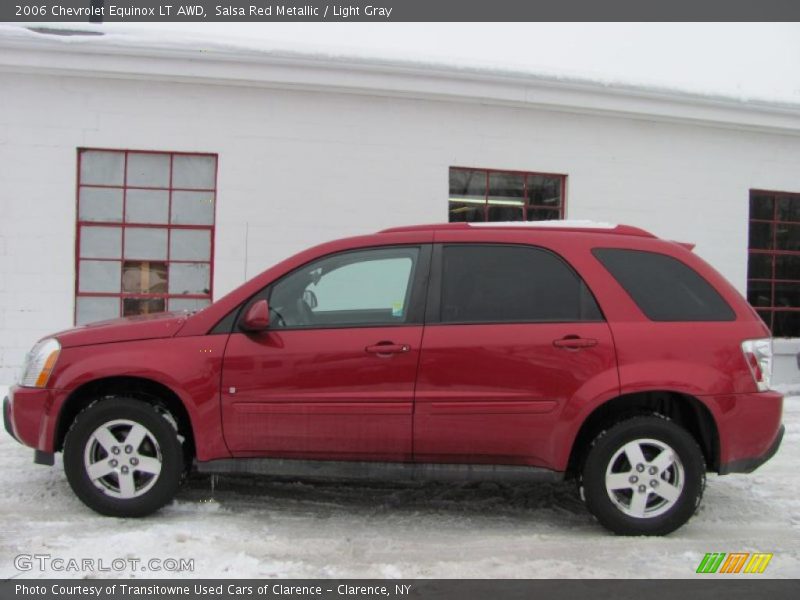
point(121, 57)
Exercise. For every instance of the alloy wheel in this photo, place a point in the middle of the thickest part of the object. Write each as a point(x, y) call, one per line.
point(123, 459)
point(645, 478)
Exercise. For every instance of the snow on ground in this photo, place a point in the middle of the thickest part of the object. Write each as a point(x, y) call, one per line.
point(265, 528)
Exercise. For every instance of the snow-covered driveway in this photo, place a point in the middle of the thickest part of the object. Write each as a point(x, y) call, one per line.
point(258, 527)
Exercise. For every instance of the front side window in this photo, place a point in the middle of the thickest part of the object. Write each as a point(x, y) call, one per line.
point(480, 195)
point(495, 284)
point(664, 288)
point(359, 288)
point(145, 231)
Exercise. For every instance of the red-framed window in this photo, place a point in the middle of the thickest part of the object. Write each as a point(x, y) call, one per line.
point(495, 195)
point(773, 266)
point(145, 232)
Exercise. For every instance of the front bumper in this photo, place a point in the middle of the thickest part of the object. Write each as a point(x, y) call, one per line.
point(27, 417)
point(39, 457)
point(7, 418)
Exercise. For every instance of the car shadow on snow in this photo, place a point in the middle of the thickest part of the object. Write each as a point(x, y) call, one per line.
point(560, 501)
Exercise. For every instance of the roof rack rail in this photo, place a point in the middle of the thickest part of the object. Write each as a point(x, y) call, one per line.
point(576, 225)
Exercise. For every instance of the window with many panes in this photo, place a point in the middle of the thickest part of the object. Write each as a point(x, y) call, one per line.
point(773, 266)
point(492, 195)
point(145, 232)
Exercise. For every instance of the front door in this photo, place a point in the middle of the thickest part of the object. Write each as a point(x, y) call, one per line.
point(333, 377)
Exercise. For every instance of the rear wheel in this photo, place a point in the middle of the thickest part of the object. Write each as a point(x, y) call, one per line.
point(123, 457)
point(643, 476)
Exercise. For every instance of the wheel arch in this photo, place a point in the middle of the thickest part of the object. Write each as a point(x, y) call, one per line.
point(684, 409)
point(141, 388)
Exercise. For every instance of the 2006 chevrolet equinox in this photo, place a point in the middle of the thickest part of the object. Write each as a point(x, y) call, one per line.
point(514, 351)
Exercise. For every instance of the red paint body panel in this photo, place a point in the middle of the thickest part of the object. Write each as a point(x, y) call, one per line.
point(686, 358)
point(319, 394)
point(461, 393)
point(30, 414)
point(748, 423)
point(190, 367)
point(492, 393)
point(141, 327)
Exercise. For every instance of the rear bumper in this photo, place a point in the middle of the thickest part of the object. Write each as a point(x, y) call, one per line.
point(748, 465)
point(750, 430)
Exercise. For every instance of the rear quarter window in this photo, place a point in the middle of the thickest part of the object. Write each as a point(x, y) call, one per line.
point(664, 288)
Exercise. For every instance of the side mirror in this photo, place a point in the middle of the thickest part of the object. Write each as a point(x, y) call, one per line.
point(257, 317)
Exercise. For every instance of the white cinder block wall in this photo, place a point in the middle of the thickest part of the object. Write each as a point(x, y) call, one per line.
point(300, 167)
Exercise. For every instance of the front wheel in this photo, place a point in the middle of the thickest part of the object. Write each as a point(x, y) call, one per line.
point(123, 458)
point(643, 476)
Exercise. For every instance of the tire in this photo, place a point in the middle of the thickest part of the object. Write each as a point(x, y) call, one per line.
point(118, 479)
point(622, 486)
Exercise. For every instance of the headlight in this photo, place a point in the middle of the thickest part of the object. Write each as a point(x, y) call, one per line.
point(39, 363)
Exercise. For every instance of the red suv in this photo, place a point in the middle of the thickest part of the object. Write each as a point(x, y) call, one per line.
point(472, 351)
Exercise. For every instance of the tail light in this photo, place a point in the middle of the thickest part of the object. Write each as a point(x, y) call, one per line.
point(758, 354)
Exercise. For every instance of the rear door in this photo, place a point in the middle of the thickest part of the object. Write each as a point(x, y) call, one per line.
point(512, 333)
point(333, 377)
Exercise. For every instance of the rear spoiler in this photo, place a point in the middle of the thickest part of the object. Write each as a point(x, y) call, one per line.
point(688, 245)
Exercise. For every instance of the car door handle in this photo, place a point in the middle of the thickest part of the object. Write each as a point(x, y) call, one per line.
point(573, 342)
point(387, 348)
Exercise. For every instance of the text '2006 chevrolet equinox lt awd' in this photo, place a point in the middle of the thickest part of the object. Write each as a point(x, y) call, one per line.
point(514, 351)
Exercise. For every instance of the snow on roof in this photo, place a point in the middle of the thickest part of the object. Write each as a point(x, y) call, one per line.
point(597, 56)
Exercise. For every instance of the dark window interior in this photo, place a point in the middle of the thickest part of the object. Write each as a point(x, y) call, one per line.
point(773, 267)
point(492, 195)
point(664, 288)
point(490, 284)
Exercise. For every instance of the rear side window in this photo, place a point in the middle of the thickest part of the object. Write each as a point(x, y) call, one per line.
point(664, 288)
point(494, 283)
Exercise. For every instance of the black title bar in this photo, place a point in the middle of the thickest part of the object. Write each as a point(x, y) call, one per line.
point(701, 587)
point(129, 11)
